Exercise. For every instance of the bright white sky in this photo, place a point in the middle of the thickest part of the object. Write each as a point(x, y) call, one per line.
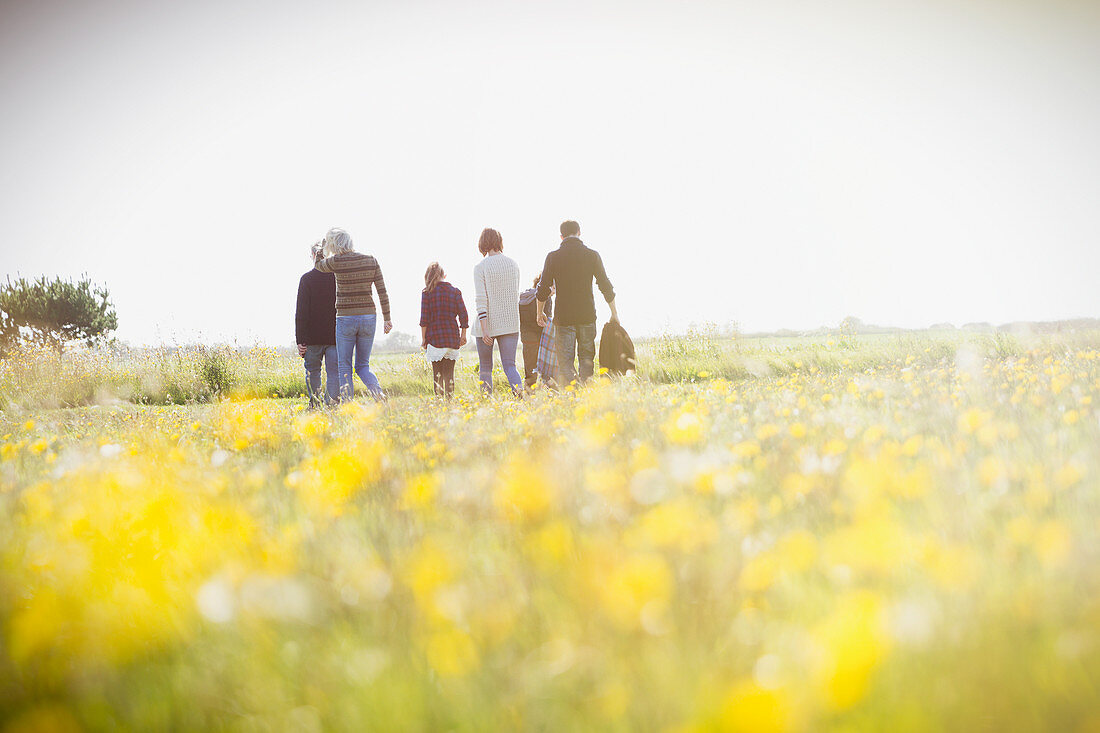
point(777, 163)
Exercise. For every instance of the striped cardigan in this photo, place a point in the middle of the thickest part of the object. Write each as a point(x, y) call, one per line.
point(355, 274)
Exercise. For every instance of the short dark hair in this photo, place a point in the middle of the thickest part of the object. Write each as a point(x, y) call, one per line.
point(570, 228)
point(490, 241)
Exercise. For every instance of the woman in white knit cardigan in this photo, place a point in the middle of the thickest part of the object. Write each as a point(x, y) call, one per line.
point(496, 289)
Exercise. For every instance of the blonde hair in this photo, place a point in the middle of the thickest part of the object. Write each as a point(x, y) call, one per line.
point(433, 276)
point(338, 242)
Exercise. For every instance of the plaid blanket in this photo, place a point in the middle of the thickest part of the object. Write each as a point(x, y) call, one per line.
point(547, 363)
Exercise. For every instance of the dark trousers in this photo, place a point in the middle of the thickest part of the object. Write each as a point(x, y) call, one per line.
point(443, 375)
point(579, 342)
point(530, 338)
point(313, 357)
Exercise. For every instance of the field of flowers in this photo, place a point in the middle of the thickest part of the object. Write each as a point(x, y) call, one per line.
point(871, 538)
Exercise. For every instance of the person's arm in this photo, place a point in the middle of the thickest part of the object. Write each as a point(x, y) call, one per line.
point(301, 317)
point(481, 303)
point(463, 317)
point(460, 309)
point(383, 299)
point(424, 320)
point(542, 292)
point(322, 263)
point(605, 286)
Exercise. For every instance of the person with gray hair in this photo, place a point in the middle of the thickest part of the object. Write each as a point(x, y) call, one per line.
point(356, 319)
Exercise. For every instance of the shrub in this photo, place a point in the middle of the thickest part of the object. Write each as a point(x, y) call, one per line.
point(214, 371)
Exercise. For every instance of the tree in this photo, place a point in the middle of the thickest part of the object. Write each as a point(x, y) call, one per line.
point(399, 342)
point(55, 312)
point(851, 326)
point(9, 333)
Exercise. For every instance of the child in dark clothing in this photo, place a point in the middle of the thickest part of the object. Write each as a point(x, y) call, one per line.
point(530, 332)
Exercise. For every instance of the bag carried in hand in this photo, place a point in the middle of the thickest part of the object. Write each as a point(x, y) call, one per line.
point(616, 350)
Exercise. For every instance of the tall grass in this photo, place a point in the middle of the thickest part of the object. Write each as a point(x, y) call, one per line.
point(699, 355)
point(41, 378)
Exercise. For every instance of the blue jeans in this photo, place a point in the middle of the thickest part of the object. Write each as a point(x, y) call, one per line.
point(313, 357)
point(355, 337)
point(582, 339)
point(507, 345)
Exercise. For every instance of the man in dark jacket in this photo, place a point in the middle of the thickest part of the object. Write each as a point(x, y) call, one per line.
point(315, 334)
point(571, 268)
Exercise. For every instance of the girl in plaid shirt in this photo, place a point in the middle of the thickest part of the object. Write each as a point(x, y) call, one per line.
point(441, 337)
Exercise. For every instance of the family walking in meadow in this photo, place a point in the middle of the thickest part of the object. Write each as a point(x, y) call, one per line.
point(336, 318)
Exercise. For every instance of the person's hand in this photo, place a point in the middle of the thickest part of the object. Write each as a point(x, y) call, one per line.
point(424, 344)
point(461, 341)
point(316, 249)
point(487, 340)
point(542, 320)
point(301, 350)
point(387, 327)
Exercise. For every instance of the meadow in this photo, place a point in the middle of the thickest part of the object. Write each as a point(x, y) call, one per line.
point(835, 533)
